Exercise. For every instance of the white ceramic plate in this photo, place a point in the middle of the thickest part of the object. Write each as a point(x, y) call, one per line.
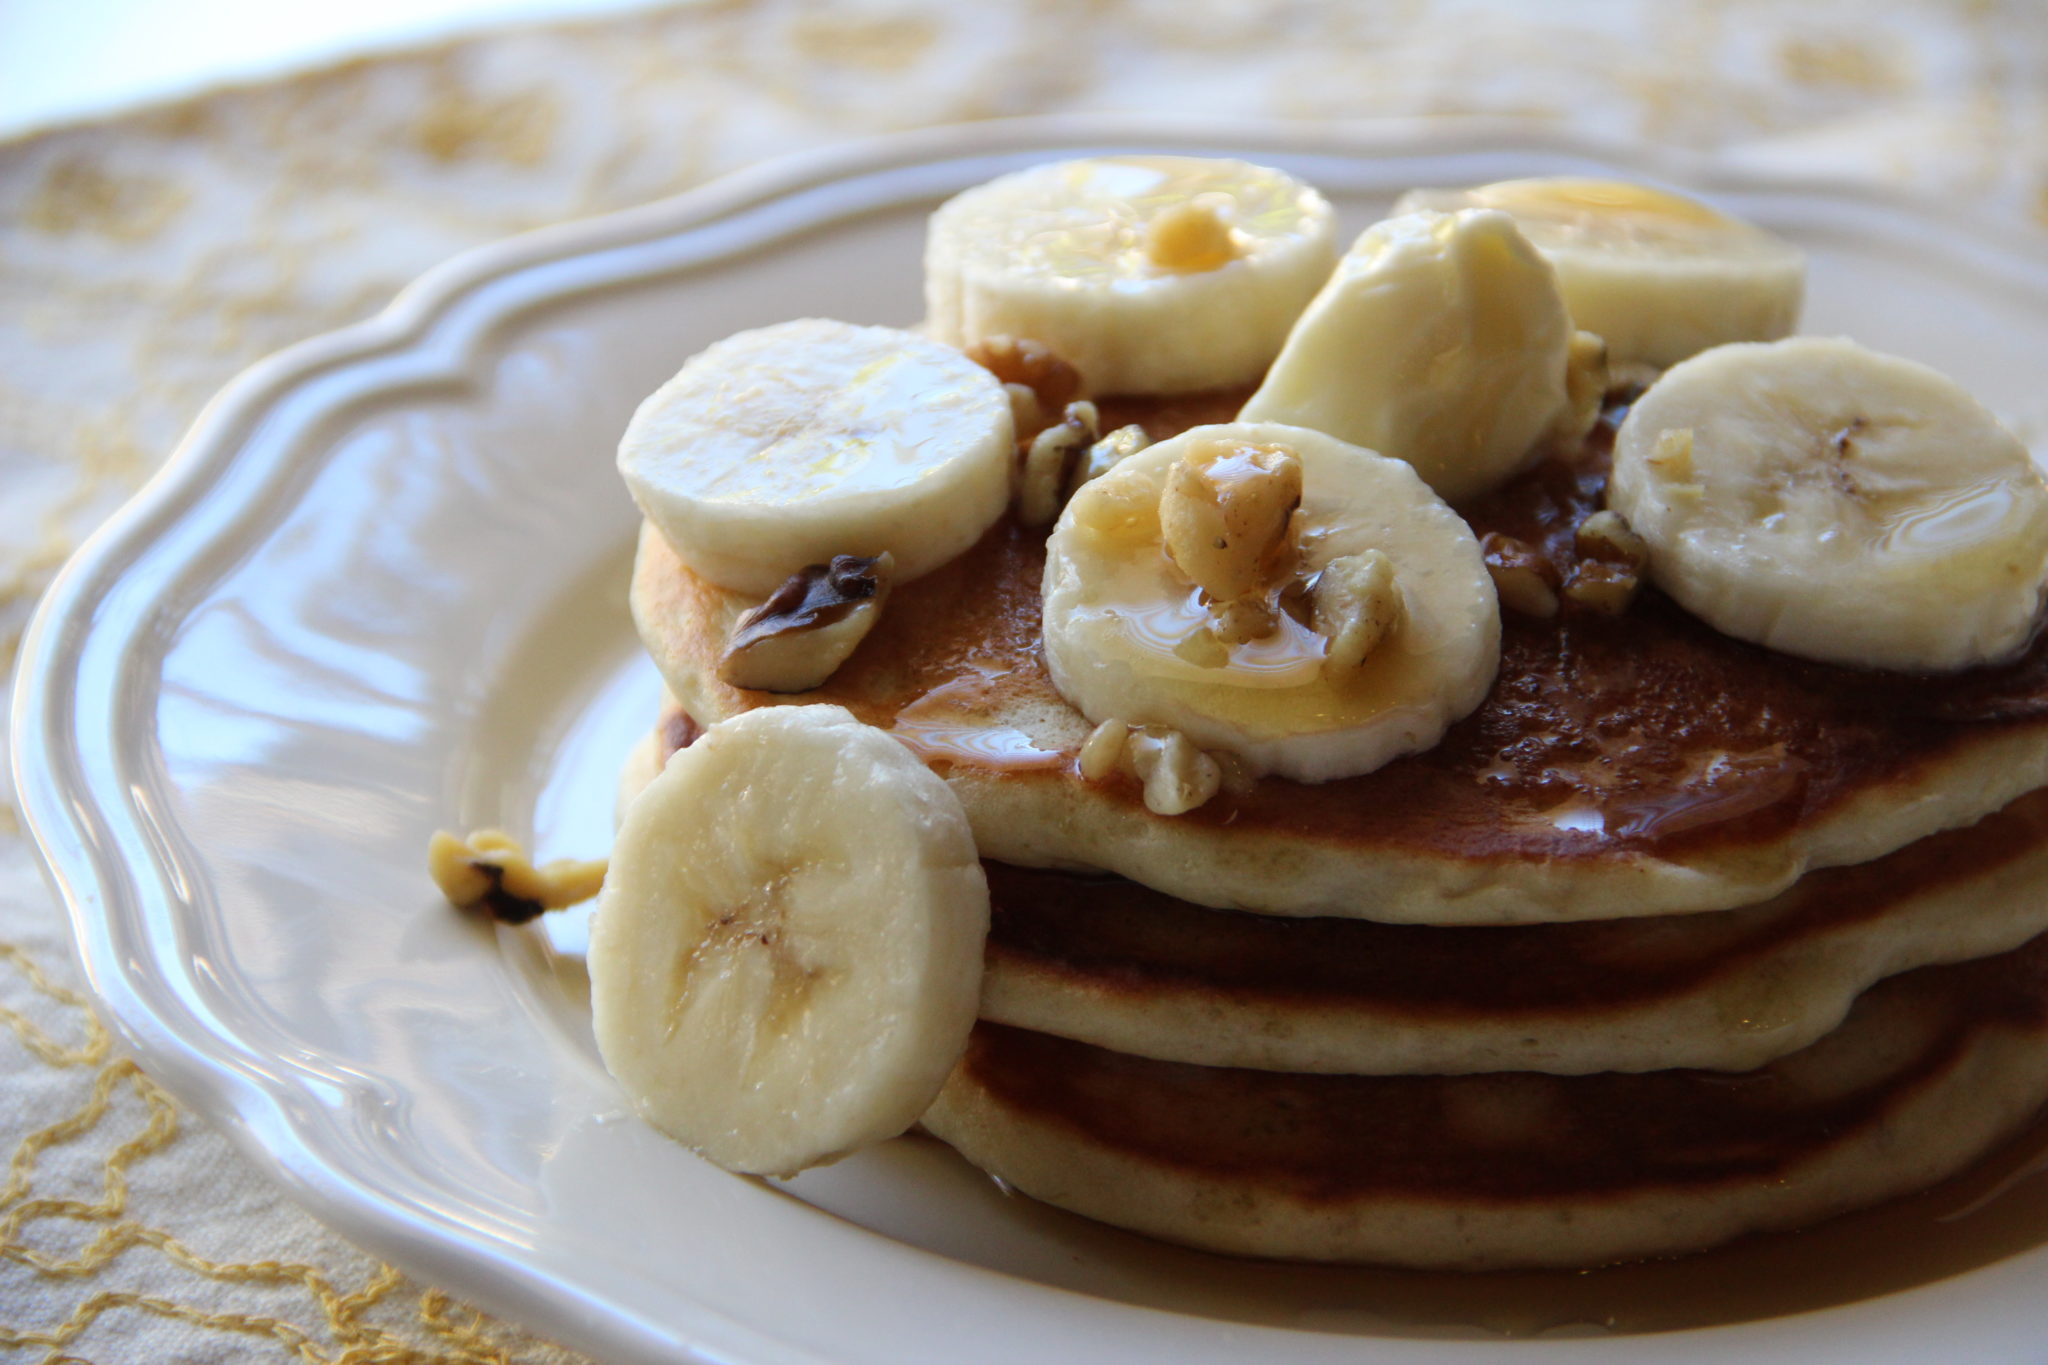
point(380, 589)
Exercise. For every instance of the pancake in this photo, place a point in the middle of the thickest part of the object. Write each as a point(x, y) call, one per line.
point(1105, 961)
point(1930, 1070)
point(1102, 960)
point(1634, 765)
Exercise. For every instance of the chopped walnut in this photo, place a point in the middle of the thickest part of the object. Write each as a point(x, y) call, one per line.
point(1103, 455)
point(1103, 751)
point(1178, 777)
point(1242, 620)
point(1603, 587)
point(1355, 604)
point(798, 638)
point(1189, 237)
point(1585, 384)
point(1226, 514)
point(1525, 580)
point(1606, 535)
point(1033, 364)
point(489, 870)
point(1049, 465)
point(1610, 571)
point(1027, 417)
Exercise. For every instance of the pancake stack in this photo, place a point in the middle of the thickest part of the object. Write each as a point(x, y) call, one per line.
point(1477, 1081)
point(1674, 938)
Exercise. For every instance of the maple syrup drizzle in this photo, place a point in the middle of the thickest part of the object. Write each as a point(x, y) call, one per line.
point(1603, 736)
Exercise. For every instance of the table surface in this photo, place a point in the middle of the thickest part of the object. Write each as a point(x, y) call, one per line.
point(146, 258)
point(66, 60)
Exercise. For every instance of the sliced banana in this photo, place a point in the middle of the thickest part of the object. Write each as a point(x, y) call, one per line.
point(1119, 612)
point(1440, 340)
point(782, 447)
point(1657, 275)
point(1149, 274)
point(786, 958)
point(1838, 504)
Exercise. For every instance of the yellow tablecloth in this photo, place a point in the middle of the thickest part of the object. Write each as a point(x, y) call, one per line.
point(145, 260)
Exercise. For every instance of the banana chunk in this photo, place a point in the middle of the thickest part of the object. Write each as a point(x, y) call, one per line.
point(1149, 274)
point(1225, 514)
point(1835, 503)
point(785, 446)
point(786, 958)
point(1121, 613)
point(1441, 340)
point(1657, 275)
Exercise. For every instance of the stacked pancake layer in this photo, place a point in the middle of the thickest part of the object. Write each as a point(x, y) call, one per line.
point(1672, 940)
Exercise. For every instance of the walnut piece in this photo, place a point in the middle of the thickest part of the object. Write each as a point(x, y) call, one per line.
point(1027, 418)
point(1607, 535)
point(1189, 237)
point(1049, 466)
point(1585, 384)
point(1242, 620)
point(1103, 455)
point(1602, 587)
point(1102, 753)
point(1226, 513)
point(1178, 777)
point(489, 870)
point(1017, 360)
point(1355, 604)
point(1526, 581)
point(798, 638)
point(1610, 572)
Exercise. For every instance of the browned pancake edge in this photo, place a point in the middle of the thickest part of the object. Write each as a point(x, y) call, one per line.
point(1514, 1169)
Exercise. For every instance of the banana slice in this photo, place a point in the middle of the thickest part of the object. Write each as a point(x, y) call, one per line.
point(1149, 274)
point(1440, 340)
point(782, 447)
point(1657, 275)
point(786, 958)
point(1120, 612)
point(1837, 504)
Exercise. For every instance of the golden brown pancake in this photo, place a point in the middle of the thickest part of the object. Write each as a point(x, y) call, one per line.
point(1632, 765)
point(1102, 960)
point(1105, 961)
point(1930, 1070)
